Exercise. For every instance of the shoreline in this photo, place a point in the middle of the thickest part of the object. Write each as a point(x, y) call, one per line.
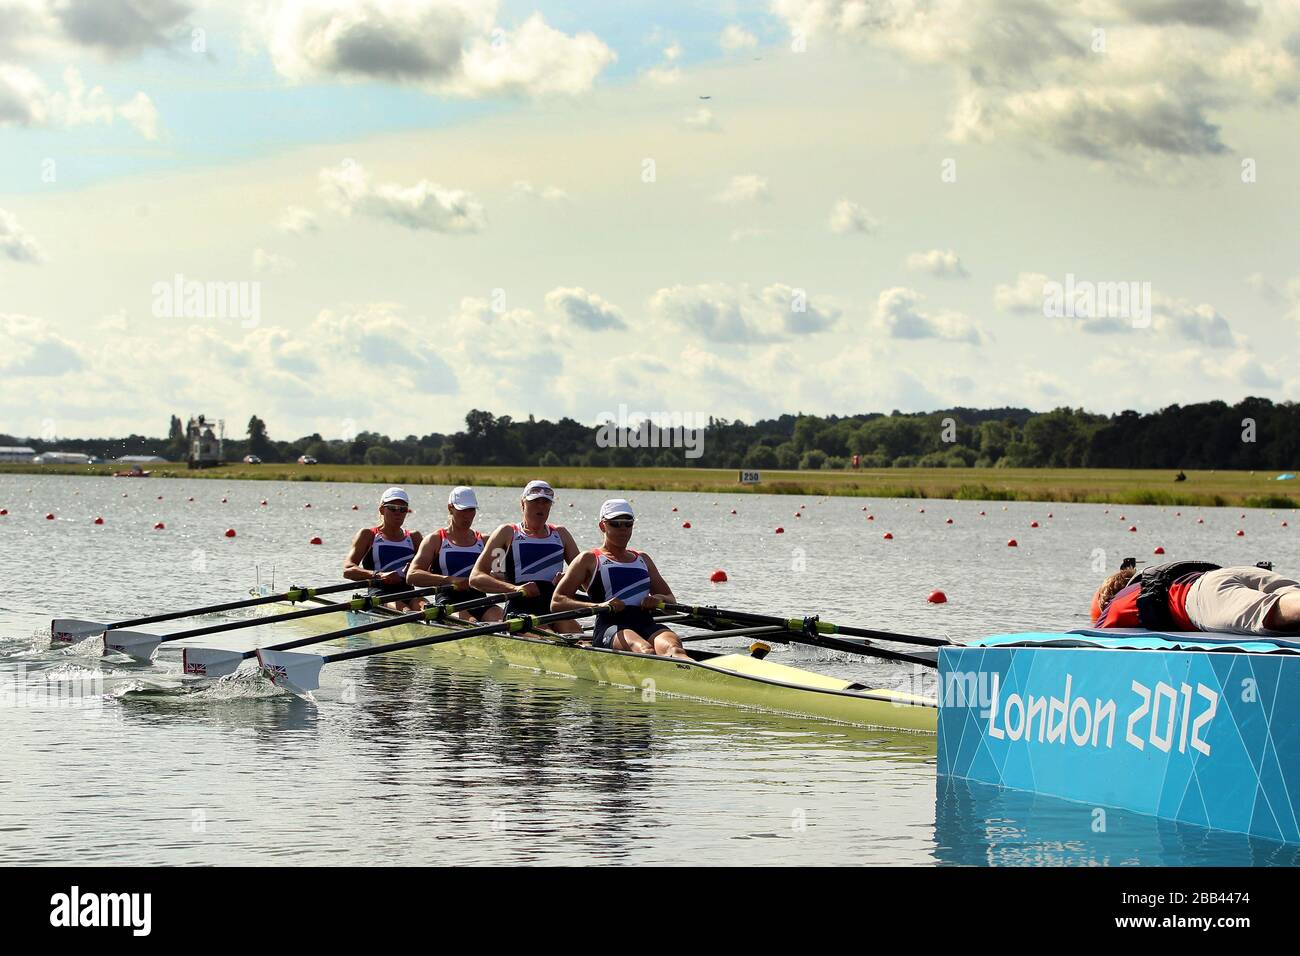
point(1062, 485)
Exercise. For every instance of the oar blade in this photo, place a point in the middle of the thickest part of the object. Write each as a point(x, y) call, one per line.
point(134, 644)
point(296, 673)
point(211, 662)
point(67, 630)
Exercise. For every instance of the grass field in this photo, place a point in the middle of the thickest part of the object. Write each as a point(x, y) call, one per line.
point(1118, 486)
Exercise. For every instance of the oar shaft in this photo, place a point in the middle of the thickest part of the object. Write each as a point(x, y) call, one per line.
point(797, 625)
point(296, 594)
point(447, 611)
point(358, 604)
point(514, 625)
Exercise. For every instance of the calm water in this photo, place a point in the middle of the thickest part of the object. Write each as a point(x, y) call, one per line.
point(406, 761)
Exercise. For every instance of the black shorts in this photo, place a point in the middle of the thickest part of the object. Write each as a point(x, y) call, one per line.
point(635, 619)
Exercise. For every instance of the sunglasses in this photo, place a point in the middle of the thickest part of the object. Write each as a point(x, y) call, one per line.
point(618, 522)
point(397, 509)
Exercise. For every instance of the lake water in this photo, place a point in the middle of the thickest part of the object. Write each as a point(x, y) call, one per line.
point(424, 763)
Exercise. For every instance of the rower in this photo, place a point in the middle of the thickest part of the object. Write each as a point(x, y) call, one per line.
point(381, 554)
point(628, 581)
point(446, 558)
point(527, 558)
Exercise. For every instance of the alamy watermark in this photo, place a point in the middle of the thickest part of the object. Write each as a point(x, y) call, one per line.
point(626, 429)
point(183, 298)
point(1083, 299)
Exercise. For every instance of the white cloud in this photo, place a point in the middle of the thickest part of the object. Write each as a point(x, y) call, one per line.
point(1025, 296)
point(1196, 323)
point(899, 313)
point(738, 315)
point(736, 37)
point(524, 188)
point(25, 101)
point(702, 119)
point(270, 263)
point(424, 205)
point(745, 188)
point(450, 47)
point(847, 216)
point(297, 221)
point(586, 310)
point(112, 28)
point(944, 264)
point(32, 349)
point(1129, 83)
point(16, 243)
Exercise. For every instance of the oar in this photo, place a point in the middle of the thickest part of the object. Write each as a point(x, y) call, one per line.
point(142, 645)
point(300, 673)
point(73, 631)
point(213, 662)
point(814, 632)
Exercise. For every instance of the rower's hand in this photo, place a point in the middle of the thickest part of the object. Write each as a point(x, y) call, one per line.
point(460, 584)
point(530, 590)
point(388, 577)
point(615, 605)
point(650, 603)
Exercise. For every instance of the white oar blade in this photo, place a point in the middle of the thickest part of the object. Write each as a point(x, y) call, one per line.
point(67, 630)
point(134, 644)
point(210, 661)
point(296, 673)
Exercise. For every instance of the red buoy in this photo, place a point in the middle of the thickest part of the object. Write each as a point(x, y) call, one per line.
point(1200, 521)
point(314, 541)
point(937, 597)
point(3, 512)
point(798, 515)
point(160, 497)
point(674, 509)
point(49, 517)
point(307, 505)
point(1240, 533)
point(1283, 523)
point(949, 521)
point(230, 532)
point(888, 536)
point(1132, 527)
point(190, 498)
point(871, 517)
point(263, 502)
point(159, 526)
point(1158, 550)
point(224, 500)
point(1049, 514)
point(779, 531)
point(983, 514)
point(686, 524)
point(355, 507)
point(718, 576)
point(921, 510)
point(733, 511)
point(99, 521)
point(1013, 543)
point(1033, 524)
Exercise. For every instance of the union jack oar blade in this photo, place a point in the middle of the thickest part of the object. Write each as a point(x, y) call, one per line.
point(134, 644)
point(65, 631)
point(211, 662)
point(297, 673)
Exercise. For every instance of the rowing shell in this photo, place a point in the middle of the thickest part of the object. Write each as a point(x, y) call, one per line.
point(737, 679)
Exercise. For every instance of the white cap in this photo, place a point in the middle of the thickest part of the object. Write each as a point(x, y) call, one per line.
point(616, 507)
point(395, 494)
point(538, 489)
point(462, 498)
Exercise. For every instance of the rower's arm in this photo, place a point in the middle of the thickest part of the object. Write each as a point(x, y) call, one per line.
point(659, 588)
point(352, 569)
point(482, 577)
point(570, 546)
point(575, 578)
point(420, 574)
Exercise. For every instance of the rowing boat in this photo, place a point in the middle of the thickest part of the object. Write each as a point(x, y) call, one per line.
point(1194, 727)
point(739, 679)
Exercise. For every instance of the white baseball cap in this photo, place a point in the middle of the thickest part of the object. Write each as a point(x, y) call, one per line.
point(538, 489)
point(395, 494)
point(616, 507)
point(462, 498)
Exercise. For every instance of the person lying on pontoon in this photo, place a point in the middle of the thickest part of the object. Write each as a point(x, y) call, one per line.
point(1198, 596)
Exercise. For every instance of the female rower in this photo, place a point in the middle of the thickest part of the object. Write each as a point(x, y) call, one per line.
point(527, 558)
point(381, 554)
point(628, 582)
point(445, 558)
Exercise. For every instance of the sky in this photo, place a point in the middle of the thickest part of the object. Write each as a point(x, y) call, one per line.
point(347, 215)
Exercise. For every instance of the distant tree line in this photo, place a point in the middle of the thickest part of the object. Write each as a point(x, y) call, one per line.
point(1254, 433)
